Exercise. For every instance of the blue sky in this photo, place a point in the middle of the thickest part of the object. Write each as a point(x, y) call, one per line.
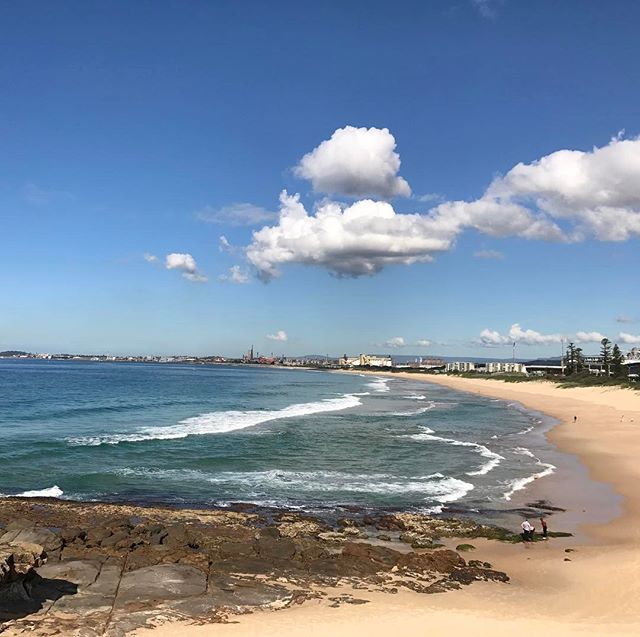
point(137, 128)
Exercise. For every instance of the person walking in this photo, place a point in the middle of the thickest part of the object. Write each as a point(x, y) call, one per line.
point(527, 531)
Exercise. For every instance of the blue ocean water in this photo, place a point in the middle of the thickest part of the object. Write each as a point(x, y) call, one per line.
point(195, 435)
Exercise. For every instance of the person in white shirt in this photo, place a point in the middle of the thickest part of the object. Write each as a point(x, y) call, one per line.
point(527, 531)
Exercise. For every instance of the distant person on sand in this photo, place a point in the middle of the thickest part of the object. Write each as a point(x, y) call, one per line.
point(527, 531)
point(575, 419)
point(543, 523)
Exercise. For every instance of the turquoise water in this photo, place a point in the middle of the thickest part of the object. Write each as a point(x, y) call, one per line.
point(192, 435)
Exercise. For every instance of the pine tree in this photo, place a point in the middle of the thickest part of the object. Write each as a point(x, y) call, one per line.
point(579, 360)
point(570, 359)
point(616, 361)
point(605, 354)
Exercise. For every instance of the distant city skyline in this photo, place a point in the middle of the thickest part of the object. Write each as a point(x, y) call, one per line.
point(453, 178)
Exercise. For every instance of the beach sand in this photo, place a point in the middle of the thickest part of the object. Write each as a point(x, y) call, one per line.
point(592, 590)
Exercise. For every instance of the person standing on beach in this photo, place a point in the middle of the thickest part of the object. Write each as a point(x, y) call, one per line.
point(575, 419)
point(543, 523)
point(527, 531)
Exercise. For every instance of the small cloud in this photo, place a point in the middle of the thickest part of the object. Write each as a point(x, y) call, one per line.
point(629, 339)
point(423, 342)
point(236, 214)
point(224, 245)
point(487, 8)
point(626, 319)
point(430, 197)
point(396, 341)
point(150, 258)
point(236, 275)
point(186, 264)
point(280, 335)
point(488, 254)
point(38, 196)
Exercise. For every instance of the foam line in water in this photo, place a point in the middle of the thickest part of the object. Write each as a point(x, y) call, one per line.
point(493, 458)
point(52, 492)
point(436, 487)
point(220, 422)
point(379, 384)
point(520, 483)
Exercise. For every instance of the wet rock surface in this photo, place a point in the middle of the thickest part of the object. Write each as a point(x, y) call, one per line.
point(102, 569)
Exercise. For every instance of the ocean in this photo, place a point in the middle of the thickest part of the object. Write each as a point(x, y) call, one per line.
point(196, 435)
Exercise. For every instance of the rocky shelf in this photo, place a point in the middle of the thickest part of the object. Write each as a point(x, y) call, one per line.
point(103, 569)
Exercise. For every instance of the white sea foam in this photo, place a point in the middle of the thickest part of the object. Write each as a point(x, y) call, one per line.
point(415, 412)
point(52, 492)
point(220, 422)
point(493, 458)
point(520, 483)
point(524, 431)
point(379, 384)
point(434, 487)
point(415, 397)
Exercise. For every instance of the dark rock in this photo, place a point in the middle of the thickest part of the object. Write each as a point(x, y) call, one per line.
point(165, 581)
point(279, 549)
point(114, 539)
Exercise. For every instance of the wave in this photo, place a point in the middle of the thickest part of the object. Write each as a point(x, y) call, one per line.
point(525, 431)
point(493, 461)
point(415, 397)
point(219, 422)
point(415, 412)
point(52, 492)
point(435, 487)
point(379, 385)
point(520, 483)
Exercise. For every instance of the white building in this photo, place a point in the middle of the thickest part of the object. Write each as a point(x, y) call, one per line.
point(366, 360)
point(503, 367)
point(460, 366)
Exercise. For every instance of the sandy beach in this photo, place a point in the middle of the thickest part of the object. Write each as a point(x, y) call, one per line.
point(558, 587)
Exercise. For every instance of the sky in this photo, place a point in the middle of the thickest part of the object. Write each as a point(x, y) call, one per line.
point(340, 177)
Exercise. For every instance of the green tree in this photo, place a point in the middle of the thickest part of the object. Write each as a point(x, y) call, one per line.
point(579, 360)
point(616, 361)
point(605, 355)
point(570, 360)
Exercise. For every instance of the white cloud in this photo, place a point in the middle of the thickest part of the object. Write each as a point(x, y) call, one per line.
point(186, 264)
point(396, 341)
point(568, 195)
point(517, 334)
point(588, 337)
point(236, 214)
point(488, 254)
point(356, 162)
point(356, 240)
point(423, 342)
point(492, 337)
point(280, 335)
point(596, 194)
point(236, 275)
point(150, 258)
point(486, 8)
point(629, 339)
point(224, 245)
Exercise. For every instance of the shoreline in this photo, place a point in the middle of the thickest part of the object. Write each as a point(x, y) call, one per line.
point(591, 590)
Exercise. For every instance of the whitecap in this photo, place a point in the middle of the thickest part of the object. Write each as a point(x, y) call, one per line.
point(379, 384)
point(220, 422)
point(52, 492)
point(494, 458)
point(520, 483)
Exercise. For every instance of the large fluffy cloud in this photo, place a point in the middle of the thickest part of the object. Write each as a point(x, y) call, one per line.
point(357, 162)
point(347, 240)
point(568, 195)
point(594, 194)
point(186, 264)
point(517, 334)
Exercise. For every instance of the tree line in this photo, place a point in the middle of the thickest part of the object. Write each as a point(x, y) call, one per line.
point(611, 357)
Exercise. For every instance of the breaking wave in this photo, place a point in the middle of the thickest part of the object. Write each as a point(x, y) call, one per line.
point(493, 458)
point(435, 487)
point(219, 422)
point(52, 492)
point(520, 483)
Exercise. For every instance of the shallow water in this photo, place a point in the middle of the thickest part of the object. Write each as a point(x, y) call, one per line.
point(193, 435)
